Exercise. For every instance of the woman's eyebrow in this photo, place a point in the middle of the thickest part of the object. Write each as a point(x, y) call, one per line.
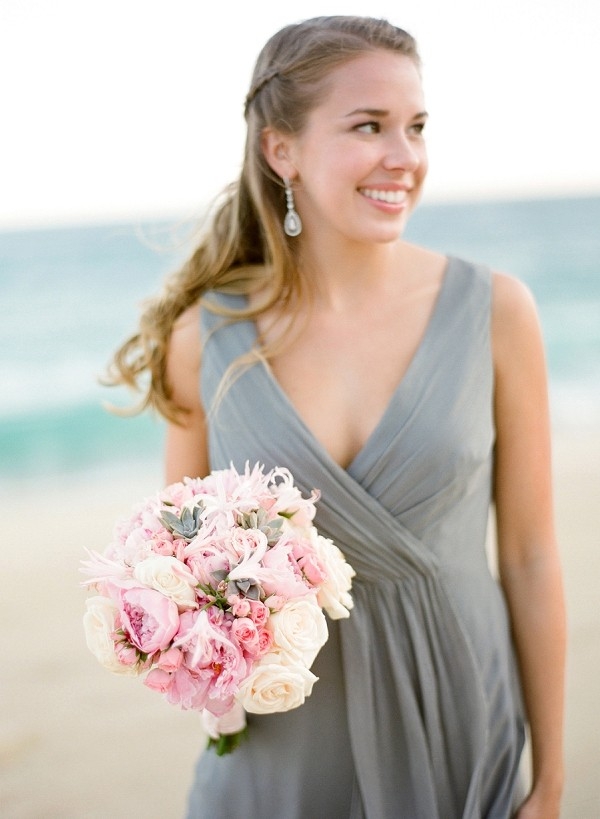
point(380, 112)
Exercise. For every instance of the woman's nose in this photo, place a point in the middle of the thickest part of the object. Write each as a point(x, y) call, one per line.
point(401, 154)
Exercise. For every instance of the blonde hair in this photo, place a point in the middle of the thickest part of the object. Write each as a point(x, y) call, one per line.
point(245, 248)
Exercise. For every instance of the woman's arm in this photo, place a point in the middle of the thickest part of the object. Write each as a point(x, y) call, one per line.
point(527, 552)
point(186, 447)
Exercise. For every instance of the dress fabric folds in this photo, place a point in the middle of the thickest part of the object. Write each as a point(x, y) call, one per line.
point(417, 713)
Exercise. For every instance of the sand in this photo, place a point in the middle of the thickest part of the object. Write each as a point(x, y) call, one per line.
point(76, 741)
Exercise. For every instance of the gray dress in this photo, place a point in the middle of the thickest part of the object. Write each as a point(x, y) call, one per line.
point(417, 713)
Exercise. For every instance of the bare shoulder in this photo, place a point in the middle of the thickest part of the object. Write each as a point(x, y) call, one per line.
point(183, 358)
point(515, 322)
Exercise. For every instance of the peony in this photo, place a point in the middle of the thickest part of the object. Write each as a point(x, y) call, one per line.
point(150, 620)
point(99, 623)
point(169, 577)
point(278, 683)
point(170, 660)
point(300, 627)
point(210, 653)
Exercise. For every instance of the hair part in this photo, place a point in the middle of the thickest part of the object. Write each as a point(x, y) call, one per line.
point(244, 248)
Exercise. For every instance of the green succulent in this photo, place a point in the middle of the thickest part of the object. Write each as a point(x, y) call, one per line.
point(259, 519)
point(186, 525)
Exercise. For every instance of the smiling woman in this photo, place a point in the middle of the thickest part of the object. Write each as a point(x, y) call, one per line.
point(360, 161)
point(409, 388)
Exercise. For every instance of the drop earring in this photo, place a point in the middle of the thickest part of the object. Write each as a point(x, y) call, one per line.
point(292, 224)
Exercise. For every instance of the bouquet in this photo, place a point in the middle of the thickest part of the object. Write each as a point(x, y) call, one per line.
point(214, 590)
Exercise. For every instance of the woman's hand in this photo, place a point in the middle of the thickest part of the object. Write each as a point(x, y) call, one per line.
point(539, 806)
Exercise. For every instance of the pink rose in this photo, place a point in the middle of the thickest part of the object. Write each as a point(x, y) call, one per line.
point(150, 620)
point(313, 569)
point(240, 606)
point(259, 613)
point(245, 633)
point(265, 641)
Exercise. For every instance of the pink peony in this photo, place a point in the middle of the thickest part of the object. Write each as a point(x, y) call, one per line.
point(150, 620)
point(186, 690)
point(170, 660)
point(210, 653)
point(158, 680)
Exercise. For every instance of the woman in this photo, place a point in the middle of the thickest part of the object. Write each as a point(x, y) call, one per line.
point(410, 389)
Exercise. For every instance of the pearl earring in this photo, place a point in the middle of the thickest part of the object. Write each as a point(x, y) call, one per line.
point(292, 224)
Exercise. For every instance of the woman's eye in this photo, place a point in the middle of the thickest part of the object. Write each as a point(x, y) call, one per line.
point(368, 128)
point(418, 127)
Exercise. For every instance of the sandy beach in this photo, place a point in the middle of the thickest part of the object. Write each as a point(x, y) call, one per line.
point(76, 741)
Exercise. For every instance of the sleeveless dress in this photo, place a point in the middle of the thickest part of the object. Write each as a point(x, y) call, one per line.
point(417, 713)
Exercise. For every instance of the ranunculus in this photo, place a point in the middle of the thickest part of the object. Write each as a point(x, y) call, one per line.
point(170, 577)
point(333, 595)
point(149, 619)
point(278, 683)
point(99, 623)
point(300, 627)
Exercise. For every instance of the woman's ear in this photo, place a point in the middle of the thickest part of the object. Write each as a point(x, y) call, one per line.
point(276, 151)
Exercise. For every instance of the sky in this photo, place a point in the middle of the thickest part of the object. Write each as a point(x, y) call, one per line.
point(132, 109)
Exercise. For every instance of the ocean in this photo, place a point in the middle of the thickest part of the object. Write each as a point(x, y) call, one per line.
point(70, 295)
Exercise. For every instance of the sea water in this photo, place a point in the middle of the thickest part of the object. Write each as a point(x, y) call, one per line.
point(69, 296)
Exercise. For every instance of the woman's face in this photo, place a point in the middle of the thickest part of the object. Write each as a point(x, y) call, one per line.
point(360, 161)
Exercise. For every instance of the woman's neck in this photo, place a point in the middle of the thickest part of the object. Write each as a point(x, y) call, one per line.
point(340, 277)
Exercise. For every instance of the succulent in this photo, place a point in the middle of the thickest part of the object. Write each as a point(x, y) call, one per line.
point(259, 519)
point(185, 525)
point(244, 587)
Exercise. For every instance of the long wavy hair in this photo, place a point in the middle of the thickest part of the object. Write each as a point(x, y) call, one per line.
point(244, 248)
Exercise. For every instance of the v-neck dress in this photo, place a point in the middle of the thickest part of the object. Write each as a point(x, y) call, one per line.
point(417, 713)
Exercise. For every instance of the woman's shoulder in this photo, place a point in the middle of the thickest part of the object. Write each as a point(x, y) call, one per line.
point(512, 301)
point(183, 357)
point(515, 321)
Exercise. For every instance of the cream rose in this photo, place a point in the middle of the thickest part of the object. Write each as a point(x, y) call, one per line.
point(333, 594)
point(279, 683)
point(99, 624)
point(169, 577)
point(300, 626)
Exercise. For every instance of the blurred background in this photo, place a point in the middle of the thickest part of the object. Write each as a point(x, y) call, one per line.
point(121, 121)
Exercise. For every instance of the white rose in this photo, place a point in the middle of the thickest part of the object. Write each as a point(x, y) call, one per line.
point(333, 594)
point(99, 625)
point(170, 577)
point(300, 626)
point(278, 683)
